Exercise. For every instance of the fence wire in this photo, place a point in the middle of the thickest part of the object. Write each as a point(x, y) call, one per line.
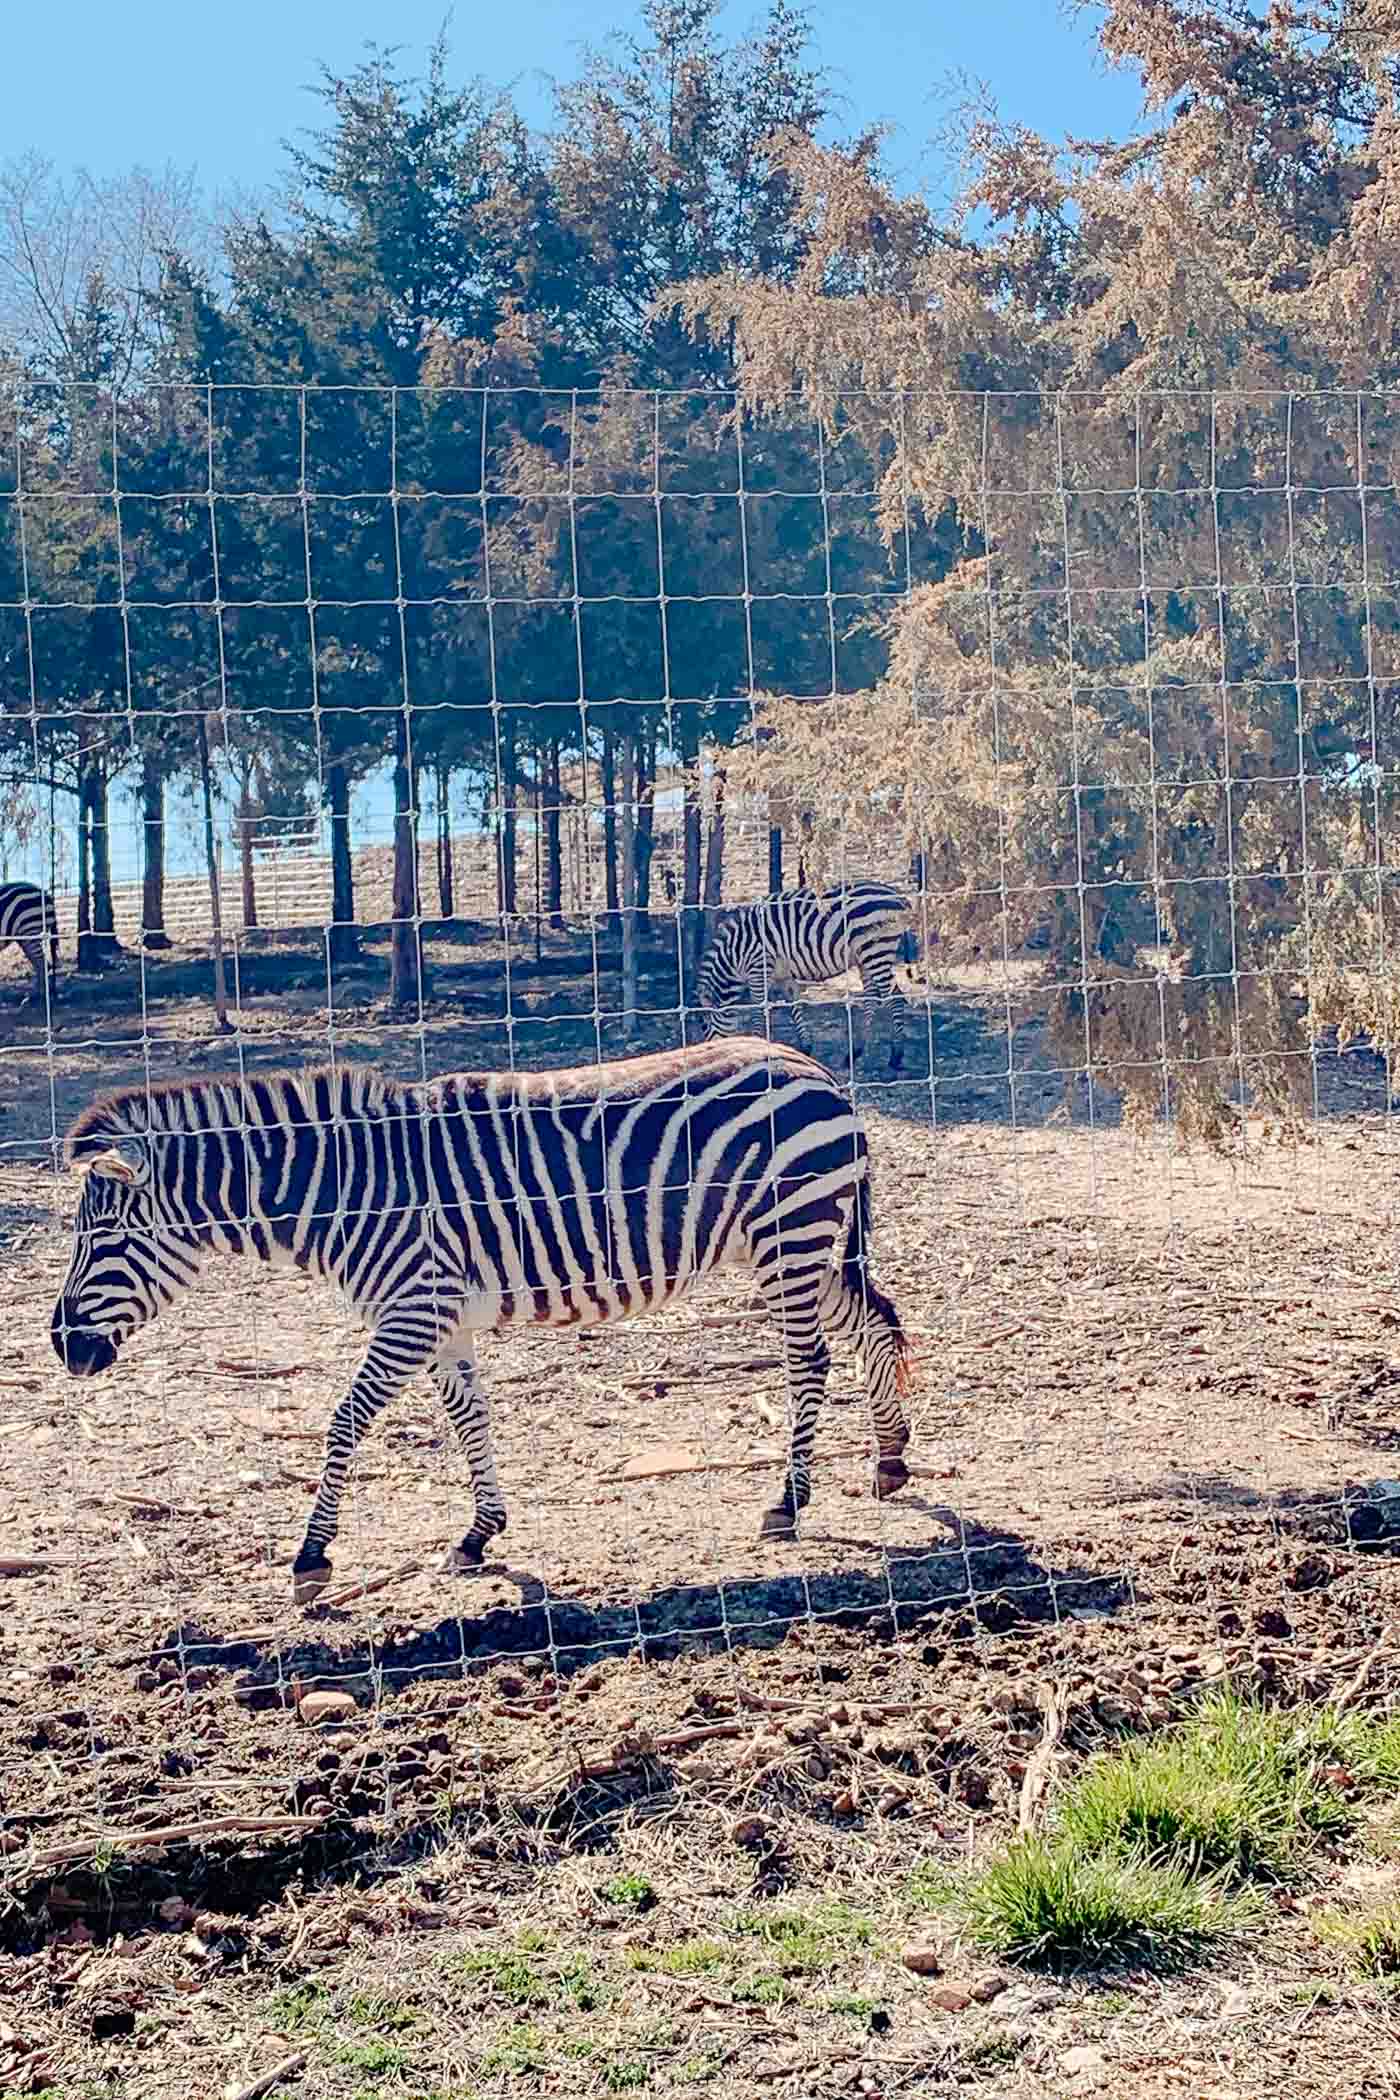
point(446, 729)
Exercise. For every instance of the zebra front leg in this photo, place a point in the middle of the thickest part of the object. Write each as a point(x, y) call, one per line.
point(458, 1380)
point(395, 1353)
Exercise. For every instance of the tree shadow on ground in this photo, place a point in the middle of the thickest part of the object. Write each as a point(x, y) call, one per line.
point(1355, 1513)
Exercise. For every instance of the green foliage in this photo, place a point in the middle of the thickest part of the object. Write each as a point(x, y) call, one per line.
point(1370, 1941)
point(524, 1977)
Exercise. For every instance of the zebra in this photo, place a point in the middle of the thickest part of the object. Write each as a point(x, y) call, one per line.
point(480, 1202)
point(28, 918)
point(805, 937)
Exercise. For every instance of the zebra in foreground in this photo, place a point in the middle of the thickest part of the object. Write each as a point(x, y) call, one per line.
point(27, 917)
point(805, 937)
point(481, 1202)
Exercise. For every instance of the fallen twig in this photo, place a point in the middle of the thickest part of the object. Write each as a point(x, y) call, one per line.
point(288, 2068)
point(172, 1834)
point(1042, 1760)
point(1358, 1683)
point(238, 1370)
point(353, 1590)
point(28, 1564)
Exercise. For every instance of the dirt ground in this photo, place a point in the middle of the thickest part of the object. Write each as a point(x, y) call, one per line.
point(1157, 1431)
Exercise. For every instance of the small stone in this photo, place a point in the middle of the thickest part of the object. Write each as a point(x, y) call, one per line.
point(922, 1959)
point(950, 1997)
point(325, 1706)
point(749, 1830)
point(1084, 2062)
point(844, 1804)
point(988, 1987)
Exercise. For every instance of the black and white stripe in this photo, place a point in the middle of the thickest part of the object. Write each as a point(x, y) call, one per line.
point(482, 1202)
point(27, 916)
point(806, 937)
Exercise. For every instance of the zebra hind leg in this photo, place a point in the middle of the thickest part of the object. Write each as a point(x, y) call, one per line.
point(791, 1300)
point(458, 1381)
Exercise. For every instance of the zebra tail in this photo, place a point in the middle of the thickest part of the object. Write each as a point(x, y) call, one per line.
point(862, 1287)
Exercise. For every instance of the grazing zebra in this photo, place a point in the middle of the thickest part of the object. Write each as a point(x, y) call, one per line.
point(805, 937)
point(480, 1202)
point(27, 917)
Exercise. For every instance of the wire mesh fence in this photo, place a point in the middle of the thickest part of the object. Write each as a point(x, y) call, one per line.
point(439, 731)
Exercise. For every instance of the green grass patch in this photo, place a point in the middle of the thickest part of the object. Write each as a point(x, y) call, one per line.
point(807, 1942)
point(1370, 1941)
point(373, 2058)
point(304, 2006)
point(530, 1980)
point(1238, 1788)
point(691, 1957)
point(1046, 1899)
point(520, 2050)
point(627, 2074)
point(630, 1892)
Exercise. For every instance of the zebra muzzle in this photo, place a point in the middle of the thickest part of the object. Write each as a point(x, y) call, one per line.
point(82, 1351)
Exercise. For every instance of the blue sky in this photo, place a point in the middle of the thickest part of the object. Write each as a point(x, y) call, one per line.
point(104, 87)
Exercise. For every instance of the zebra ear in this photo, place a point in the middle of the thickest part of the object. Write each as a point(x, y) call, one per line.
point(124, 1161)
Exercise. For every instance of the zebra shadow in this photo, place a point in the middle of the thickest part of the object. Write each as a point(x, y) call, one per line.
point(975, 1580)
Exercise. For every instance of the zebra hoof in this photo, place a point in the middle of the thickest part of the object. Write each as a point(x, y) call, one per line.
point(890, 1476)
point(308, 1582)
point(466, 1558)
point(778, 1524)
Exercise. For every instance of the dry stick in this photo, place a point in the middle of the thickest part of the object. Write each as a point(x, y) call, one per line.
point(1362, 1678)
point(173, 1834)
point(288, 2068)
point(1042, 1761)
point(237, 1370)
point(759, 1465)
point(375, 1582)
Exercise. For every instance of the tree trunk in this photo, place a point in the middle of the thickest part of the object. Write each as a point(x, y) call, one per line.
point(215, 872)
point(97, 941)
point(342, 940)
point(554, 859)
point(86, 959)
point(506, 874)
point(408, 978)
point(446, 897)
point(153, 933)
point(692, 922)
point(775, 859)
point(628, 899)
point(245, 857)
point(609, 779)
point(714, 856)
point(646, 826)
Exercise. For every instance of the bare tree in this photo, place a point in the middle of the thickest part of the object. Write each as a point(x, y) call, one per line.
point(73, 243)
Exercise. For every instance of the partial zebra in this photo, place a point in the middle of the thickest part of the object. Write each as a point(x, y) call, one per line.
point(805, 937)
point(27, 917)
point(481, 1202)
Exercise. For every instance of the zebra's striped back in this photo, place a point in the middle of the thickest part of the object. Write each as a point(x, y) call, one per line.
point(804, 937)
point(26, 912)
point(549, 1196)
point(27, 916)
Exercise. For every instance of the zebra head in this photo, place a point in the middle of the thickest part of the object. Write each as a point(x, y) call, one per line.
point(126, 1264)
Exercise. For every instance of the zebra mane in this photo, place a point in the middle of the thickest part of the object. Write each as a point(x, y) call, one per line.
point(324, 1093)
point(190, 1107)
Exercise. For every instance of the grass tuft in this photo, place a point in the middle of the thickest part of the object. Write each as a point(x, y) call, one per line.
point(1371, 1942)
point(1048, 1900)
point(1238, 1789)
